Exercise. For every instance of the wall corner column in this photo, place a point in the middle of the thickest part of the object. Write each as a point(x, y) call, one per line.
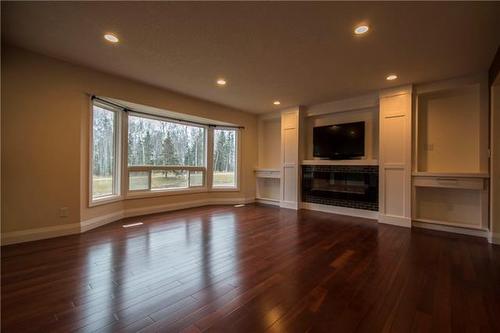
point(291, 156)
point(395, 156)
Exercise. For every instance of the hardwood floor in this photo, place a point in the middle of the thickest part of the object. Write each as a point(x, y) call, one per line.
point(251, 269)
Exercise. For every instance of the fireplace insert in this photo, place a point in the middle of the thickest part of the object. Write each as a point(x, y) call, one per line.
point(344, 186)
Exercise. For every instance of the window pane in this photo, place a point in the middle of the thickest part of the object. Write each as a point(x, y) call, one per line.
point(161, 179)
point(195, 178)
point(158, 142)
point(138, 180)
point(103, 152)
point(224, 158)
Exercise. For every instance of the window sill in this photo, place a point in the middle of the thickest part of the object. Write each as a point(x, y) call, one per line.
point(225, 189)
point(105, 200)
point(162, 193)
point(153, 194)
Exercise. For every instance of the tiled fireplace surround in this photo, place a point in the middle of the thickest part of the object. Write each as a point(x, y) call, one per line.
point(351, 186)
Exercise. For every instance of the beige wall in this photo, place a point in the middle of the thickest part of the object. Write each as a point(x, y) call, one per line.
point(45, 111)
point(270, 143)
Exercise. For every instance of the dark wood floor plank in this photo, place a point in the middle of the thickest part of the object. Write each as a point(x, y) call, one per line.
point(251, 269)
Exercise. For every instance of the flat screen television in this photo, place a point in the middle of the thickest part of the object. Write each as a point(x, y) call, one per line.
point(339, 142)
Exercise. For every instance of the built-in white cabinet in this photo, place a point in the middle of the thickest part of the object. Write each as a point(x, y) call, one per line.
point(280, 153)
point(430, 143)
point(450, 160)
point(268, 172)
point(395, 156)
point(451, 200)
point(268, 186)
point(451, 127)
point(291, 155)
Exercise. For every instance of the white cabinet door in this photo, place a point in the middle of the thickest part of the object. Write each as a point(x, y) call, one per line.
point(395, 157)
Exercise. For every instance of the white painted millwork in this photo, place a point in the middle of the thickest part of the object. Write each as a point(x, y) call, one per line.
point(268, 186)
point(457, 202)
point(268, 172)
point(451, 126)
point(453, 229)
point(86, 225)
point(395, 156)
point(445, 194)
point(290, 158)
point(450, 161)
point(450, 182)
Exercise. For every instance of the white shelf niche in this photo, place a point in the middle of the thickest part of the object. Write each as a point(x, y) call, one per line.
point(451, 127)
point(268, 173)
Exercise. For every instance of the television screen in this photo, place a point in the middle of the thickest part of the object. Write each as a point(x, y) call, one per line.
point(341, 141)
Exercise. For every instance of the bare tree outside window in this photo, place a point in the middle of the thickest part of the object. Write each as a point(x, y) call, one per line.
point(103, 152)
point(224, 158)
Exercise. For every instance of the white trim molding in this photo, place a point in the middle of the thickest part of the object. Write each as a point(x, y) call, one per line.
point(451, 229)
point(183, 205)
point(494, 238)
point(289, 205)
point(29, 235)
point(98, 221)
point(273, 202)
point(367, 214)
point(395, 121)
point(395, 220)
point(86, 225)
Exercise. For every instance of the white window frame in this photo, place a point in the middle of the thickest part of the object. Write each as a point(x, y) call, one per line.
point(117, 173)
point(150, 168)
point(237, 163)
point(122, 169)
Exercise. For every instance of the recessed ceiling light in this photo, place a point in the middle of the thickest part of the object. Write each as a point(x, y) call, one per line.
point(221, 82)
point(361, 29)
point(276, 102)
point(111, 38)
point(391, 77)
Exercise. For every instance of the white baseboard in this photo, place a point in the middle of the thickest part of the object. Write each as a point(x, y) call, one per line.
point(29, 235)
point(184, 205)
point(368, 214)
point(395, 220)
point(455, 230)
point(494, 238)
point(86, 225)
point(268, 202)
point(98, 221)
point(289, 204)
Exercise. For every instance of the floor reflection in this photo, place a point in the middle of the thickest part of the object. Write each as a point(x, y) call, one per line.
point(223, 269)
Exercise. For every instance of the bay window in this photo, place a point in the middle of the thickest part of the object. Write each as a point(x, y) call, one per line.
point(105, 146)
point(159, 154)
point(165, 155)
point(225, 158)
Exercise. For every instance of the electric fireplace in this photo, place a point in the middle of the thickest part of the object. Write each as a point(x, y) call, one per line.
point(344, 186)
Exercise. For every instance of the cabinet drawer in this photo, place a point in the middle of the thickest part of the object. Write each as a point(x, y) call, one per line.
point(450, 182)
point(267, 174)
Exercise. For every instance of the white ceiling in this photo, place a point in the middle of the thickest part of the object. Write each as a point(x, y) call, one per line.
point(300, 53)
